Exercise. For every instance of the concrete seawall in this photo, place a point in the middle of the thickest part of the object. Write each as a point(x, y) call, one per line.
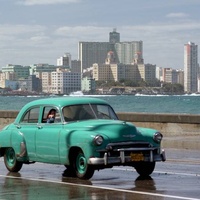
point(179, 130)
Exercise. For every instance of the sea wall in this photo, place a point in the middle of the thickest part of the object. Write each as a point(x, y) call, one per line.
point(179, 130)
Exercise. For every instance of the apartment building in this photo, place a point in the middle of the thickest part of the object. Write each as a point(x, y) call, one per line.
point(65, 82)
point(115, 72)
point(190, 67)
point(170, 75)
point(19, 71)
point(147, 72)
point(93, 52)
point(126, 51)
point(96, 52)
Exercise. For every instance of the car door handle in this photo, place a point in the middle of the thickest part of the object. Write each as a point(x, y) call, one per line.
point(39, 127)
point(18, 126)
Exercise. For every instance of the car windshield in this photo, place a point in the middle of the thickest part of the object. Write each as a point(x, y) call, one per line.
point(88, 111)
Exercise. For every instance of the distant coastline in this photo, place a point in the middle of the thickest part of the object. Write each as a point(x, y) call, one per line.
point(80, 93)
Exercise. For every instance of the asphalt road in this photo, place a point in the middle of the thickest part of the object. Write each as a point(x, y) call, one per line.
point(177, 178)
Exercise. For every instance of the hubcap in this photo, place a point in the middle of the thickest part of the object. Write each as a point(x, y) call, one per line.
point(81, 164)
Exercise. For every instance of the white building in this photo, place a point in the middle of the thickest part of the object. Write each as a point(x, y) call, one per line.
point(190, 67)
point(65, 82)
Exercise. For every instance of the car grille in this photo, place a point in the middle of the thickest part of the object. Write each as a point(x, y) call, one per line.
point(125, 145)
point(114, 149)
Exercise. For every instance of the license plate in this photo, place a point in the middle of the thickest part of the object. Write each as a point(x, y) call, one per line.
point(137, 157)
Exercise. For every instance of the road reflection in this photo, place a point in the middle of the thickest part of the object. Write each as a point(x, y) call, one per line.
point(146, 183)
point(17, 187)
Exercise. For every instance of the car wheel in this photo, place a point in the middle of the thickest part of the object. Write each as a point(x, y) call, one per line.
point(10, 161)
point(144, 168)
point(82, 169)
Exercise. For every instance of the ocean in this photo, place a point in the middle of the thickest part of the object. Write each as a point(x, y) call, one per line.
point(187, 104)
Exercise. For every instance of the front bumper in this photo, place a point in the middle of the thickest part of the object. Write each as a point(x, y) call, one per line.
point(125, 159)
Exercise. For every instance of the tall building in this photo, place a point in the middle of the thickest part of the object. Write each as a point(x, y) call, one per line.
point(126, 51)
point(114, 37)
point(93, 52)
point(76, 66)
point(96, 52)
point(190, 67)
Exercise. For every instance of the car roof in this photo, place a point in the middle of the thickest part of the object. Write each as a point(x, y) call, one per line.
point(63, 101)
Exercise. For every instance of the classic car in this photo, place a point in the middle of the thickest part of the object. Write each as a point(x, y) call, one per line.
point(84, 135)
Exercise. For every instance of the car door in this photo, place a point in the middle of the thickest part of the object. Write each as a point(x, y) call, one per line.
point(47, 138)
point(27, 128)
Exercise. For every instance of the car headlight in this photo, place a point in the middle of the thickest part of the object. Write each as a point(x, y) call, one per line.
point(157, 137)
point(98, 140)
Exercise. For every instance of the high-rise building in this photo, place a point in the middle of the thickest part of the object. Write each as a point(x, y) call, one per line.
point(114, 37)
point(96, 52)
point(126, 51)
point(93, 52)
point(76, 66)
point(190, 67)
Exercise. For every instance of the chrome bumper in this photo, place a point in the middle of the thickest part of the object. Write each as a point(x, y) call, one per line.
point(122, 159)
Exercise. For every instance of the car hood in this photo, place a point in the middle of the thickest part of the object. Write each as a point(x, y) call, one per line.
point(114, 130)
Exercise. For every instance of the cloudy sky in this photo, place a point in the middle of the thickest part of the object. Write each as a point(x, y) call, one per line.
point(40, 31)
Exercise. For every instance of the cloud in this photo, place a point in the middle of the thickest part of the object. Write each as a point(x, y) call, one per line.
point(45, 2)
point(22, 36)
point(86, 33)
point(177, 15)
point(20, 29)
point(163, 42)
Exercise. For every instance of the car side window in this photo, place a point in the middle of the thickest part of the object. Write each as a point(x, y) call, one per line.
point(51, 115)
point(31, 116)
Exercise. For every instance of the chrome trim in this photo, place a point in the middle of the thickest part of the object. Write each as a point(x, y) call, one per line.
point(131, 149)
point(151, 156)
point(122, 159)
point(22, 150)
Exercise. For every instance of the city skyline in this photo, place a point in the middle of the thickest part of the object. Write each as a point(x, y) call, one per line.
point(40, 31)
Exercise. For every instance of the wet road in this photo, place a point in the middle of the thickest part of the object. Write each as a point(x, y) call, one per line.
point(177, 178)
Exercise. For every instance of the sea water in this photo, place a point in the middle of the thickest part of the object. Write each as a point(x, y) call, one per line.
point(188, 104)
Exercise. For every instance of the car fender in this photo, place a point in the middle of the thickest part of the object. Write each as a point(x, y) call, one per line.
point(15, 140)
point(81, 139)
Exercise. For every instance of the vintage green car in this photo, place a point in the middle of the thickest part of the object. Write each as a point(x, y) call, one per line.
point(83, 134)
